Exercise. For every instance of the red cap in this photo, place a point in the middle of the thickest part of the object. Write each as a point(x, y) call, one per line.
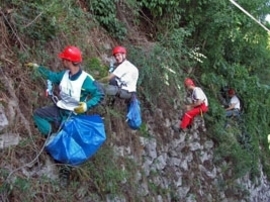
point(119, 49)
point(231, 91)
point(189, 82)
point(71, 53)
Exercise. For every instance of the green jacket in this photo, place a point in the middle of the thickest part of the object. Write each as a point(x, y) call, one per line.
point(91, 90)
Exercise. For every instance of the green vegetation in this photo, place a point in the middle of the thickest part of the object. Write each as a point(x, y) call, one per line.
point(208, 40)
point(104, 11)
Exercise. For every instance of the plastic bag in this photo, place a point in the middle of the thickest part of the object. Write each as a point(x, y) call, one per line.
point(134, 118)
point(80, 138)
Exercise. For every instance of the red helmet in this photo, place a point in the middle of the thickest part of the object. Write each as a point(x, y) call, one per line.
point(119, 49)
point(231, 91)
point(71, 53)
point(189, 82)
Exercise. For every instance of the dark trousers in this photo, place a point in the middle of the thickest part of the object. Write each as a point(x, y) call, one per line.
point(114, 90)
point(45, 118)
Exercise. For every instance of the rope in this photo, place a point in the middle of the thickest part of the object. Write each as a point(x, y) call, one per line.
point(248, 14)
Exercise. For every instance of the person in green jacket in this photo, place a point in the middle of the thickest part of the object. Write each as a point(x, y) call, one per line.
point(76, 87)
point(79, 92)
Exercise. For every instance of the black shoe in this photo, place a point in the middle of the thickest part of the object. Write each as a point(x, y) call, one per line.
point(184, 130)
point(111, 101)
point(176, 129)
point(179, 130)
point(64, 174)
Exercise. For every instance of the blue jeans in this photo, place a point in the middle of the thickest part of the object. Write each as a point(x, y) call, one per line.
point(233, 112)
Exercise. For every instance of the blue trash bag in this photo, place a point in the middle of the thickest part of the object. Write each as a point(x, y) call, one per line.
point(80, 138)
point(133, 116)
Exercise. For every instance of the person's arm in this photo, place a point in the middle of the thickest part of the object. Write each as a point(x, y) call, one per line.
point(107, 78)
point(54, 77)
point(44, 72)
point(200, 98)
point(195, 104)
point(231, 106)
point(233, 103)
point(93, 89)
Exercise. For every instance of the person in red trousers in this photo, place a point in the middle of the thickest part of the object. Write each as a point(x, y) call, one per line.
point(198, 106)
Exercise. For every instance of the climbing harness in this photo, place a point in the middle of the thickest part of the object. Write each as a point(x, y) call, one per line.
point(49, 92)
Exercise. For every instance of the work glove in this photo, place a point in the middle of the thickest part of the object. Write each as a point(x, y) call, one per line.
point(82, 107)
point(32, 65)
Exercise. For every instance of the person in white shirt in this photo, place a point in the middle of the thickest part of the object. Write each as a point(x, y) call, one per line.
point(123, 77)
point(234, 105)
point(199, 105)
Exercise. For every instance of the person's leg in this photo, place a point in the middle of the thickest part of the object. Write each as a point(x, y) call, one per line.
point(229, 113)
point(115, 90)
point(109, 89)
point(124, 94)
point(64, 175)
point(43, 117)
point(113, 82)
point(188, 117)
point(236, 113)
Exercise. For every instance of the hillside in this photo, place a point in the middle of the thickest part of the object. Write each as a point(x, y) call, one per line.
point(210, 41)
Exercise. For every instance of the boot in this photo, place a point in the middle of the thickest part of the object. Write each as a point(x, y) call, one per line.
point(64, 174)
point(179, 130)
point(176, 129)
point(111, 101)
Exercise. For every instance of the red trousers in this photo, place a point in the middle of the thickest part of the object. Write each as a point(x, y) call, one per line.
point(189, 115)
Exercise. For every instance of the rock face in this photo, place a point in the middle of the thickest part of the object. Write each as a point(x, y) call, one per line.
point(6, 139)
point(3, 119)
point(182, 167)
point(185, 166)
point(9, 139)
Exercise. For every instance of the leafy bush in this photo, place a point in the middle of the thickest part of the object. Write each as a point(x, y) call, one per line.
point(104, 11)
point(95, 68)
